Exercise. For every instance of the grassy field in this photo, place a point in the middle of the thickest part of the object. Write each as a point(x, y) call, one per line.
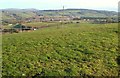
point(35, 24)
point(39, 24)
point(70, 50)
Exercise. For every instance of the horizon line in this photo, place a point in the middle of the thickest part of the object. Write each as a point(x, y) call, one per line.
point(59, 9)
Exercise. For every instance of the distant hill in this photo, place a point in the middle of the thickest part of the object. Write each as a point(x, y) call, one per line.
point(81, 13)
point(19, 14)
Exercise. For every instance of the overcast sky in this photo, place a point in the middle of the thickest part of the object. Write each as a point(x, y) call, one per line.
point(57, 4)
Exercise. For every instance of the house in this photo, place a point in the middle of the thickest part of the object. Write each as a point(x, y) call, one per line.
point(21, 27)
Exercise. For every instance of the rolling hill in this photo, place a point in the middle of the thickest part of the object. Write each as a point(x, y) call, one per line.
point(25, 14)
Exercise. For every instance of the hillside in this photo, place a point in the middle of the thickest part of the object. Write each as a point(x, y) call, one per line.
point(19, 14)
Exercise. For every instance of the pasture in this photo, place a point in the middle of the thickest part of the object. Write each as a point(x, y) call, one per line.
point(70, 50)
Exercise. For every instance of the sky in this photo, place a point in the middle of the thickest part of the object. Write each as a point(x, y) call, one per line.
point(111, 5)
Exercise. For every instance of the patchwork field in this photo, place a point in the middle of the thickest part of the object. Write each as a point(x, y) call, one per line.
point(63, 50)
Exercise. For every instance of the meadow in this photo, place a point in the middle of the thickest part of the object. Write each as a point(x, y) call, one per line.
point(67, 50)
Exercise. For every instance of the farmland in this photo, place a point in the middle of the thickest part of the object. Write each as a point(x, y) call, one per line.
point(70, 50)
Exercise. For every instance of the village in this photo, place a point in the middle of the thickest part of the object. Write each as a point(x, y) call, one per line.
point(17, 25)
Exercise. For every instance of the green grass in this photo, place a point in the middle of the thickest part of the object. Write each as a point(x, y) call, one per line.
point(71, 50)
point(39, 24)
point(35, 24)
